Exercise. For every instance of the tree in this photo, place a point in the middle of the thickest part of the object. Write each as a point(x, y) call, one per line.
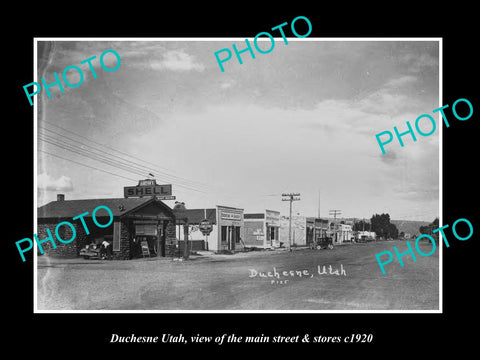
point(392, 231)
point(383, 227)
point(428, 229)
point(361, 226)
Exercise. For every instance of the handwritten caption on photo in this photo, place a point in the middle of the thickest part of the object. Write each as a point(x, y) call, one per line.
point(281, 277)
point(57, 232)
point(232, 338)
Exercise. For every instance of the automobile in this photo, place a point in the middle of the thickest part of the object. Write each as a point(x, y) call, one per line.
point(322, 243)
point(91, 251)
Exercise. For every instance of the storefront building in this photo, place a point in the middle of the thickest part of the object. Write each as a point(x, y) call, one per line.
point(193, 218)
point(230, 230)
point(363, 236)
point(227, 227)
point(138, 224)
point(262, 230)
point(303, 229)
point(341, 233)
point(322, 229)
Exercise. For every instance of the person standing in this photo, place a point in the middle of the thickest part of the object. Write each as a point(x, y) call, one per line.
point(107, 250)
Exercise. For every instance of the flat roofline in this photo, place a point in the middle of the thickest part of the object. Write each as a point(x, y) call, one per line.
point(229, 207)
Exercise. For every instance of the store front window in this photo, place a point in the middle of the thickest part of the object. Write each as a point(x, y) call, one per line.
point(237, 234)
point(224, 234)
point(272, 233)
point(146, 237)
point(230, 235)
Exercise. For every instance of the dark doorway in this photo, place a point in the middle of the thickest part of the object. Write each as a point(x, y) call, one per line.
point(233, 238)
point(162, 240)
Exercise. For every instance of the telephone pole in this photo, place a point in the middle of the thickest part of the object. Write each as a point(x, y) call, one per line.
point(318, 214)
point(334, 213)
point(290, 197)
point(186, 253)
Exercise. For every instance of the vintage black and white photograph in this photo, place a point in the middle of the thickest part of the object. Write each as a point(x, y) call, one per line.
point(234, 175)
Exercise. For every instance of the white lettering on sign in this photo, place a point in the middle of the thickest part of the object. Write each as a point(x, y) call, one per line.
point(230, 216)
point(147, 182)
point(272, 217)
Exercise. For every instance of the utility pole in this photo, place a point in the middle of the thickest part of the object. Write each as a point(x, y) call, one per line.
point(186, 253)
point(206, 235)
point(334, 213)
point(290, 197)
point(318, 215)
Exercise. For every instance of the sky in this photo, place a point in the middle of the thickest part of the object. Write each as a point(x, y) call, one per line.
point(300, 119)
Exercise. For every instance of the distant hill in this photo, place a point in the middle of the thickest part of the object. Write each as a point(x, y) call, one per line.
point(409, 226)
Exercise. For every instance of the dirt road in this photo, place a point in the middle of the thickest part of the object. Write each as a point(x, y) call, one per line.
point(346, 278)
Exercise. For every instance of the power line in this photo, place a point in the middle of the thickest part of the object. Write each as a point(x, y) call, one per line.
point(334, 213)
point(94, 156)
point(92, 167)
point(92, 141)
point(136, 165)
point(93, 153)
point(113, 163)
point(127, 166)
point(102, 153)
point(126, 154)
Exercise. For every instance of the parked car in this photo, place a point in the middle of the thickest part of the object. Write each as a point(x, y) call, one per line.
point(322, 243)
point(91, 251)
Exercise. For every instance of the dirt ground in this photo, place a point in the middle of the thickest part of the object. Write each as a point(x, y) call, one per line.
point(233, 282)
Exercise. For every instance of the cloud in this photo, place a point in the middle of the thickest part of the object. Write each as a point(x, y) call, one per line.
point(110, 60)
point(342, 117)
point(227, 84)
point(389, 157)
point(177, 60)
point(418, 190)
point(392, 98)
point(46, 182)
point(73, 77)
point(401, 81)
point(418, 62)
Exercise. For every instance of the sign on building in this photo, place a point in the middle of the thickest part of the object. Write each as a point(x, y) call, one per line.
point(146, 229)
point(147, 182)
point(230, 215)
point(272, 217)
point(149, 187)
point(205, 227)
point(145, 249)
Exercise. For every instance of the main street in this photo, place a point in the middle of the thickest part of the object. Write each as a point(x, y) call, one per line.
point(233, 282)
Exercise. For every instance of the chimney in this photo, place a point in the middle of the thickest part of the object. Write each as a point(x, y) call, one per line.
point(60, 197)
